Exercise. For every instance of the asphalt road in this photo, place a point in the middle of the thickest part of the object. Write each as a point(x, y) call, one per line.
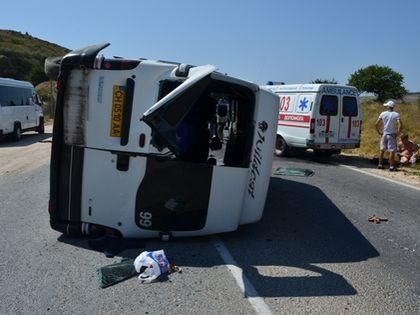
point(314, 251)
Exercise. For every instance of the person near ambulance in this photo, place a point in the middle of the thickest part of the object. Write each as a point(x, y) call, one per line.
point(388, 126)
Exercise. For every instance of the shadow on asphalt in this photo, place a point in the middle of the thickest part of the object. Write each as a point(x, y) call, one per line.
point(350, 160)
point(26, 140)
point(300, 227)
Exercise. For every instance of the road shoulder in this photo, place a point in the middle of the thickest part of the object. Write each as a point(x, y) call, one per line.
point(405, 175)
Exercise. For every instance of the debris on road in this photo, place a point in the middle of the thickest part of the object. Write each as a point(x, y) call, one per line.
point(148, 266)
point(293, 171)
point(151, 265)
point(377, 219)
point(115, 273)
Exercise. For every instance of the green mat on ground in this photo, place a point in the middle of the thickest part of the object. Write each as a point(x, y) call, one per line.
point(115, 273)
point(293, 171)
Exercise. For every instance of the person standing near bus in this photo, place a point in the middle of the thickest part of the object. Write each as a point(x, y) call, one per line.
point(391, 127)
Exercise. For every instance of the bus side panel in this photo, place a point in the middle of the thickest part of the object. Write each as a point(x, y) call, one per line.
point(266, 118)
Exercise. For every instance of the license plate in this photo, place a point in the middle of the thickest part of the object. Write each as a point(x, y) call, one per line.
point(323, 134)
point(118, 93)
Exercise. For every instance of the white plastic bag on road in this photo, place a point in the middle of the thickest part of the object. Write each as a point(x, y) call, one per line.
point(151, 265)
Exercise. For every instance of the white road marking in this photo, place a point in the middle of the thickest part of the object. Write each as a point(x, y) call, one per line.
point(381, 177)
point(244, 284)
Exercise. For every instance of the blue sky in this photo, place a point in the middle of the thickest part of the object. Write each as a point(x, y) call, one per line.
point(256, 40)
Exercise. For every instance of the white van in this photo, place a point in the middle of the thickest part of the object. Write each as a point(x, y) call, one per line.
point(323, 117)
point(20, 108)
point(132, 154)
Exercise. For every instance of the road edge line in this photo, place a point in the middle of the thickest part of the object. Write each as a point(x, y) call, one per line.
point(241, 279)
point(379, 176)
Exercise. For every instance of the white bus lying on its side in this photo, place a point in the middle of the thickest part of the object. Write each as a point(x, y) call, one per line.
point(131, 148)
point(20, 108)
point(323, 117)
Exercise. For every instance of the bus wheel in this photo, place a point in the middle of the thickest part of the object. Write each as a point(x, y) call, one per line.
point(41, 127)
point(17, 132)
point(282, 149)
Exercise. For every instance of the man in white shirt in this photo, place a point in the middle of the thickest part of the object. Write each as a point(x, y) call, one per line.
point(391, 127)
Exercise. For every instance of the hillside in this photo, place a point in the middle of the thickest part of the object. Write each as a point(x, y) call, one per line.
point(22, 56)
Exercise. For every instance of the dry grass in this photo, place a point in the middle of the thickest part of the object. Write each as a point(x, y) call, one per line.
point(369, 146)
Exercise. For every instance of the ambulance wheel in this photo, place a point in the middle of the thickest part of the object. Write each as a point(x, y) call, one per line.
point(17, 132)
point(282, 149)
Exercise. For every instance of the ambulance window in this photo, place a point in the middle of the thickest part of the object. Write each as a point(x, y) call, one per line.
point(329, 105)
point(349, 106)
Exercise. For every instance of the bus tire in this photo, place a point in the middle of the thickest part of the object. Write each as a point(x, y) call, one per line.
point(41, 128)
point(17, 132)
point(281, 149)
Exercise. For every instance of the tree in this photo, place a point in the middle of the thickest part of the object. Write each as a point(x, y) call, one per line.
point(37, 75)
point(384, 82)
point(320, 81)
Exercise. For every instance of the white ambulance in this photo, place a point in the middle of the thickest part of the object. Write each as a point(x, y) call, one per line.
point(20, 108)
point(131, 151)
point(323, 117)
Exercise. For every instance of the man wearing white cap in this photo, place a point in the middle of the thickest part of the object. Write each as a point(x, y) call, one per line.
point(391, 127)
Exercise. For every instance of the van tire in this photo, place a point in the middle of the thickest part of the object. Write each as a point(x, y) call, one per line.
point(281, 149)
point(17, 132)
point(41, 128)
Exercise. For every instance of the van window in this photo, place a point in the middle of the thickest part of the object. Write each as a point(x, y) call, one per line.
point(349, 106)
point(329, 105)
point(14, 96)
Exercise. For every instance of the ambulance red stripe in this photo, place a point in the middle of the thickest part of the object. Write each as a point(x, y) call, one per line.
point(297, 118)
point(327, 130)
point(349, 128)
point(289, 125)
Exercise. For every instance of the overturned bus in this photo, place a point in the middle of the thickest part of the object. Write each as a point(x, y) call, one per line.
point(133, 153)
